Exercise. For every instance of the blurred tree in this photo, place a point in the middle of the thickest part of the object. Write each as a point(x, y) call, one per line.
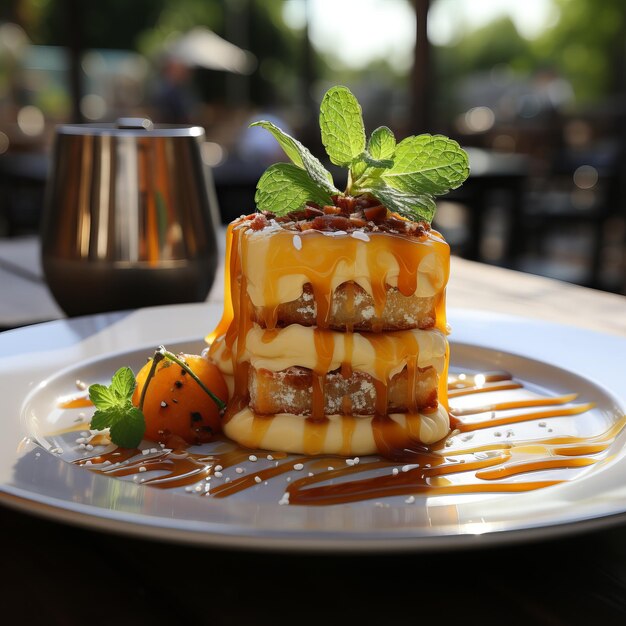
point(495, 44)
point(587, 45)
point(110, 24)
point(144, 25)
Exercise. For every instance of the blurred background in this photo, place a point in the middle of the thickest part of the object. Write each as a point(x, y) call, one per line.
point(534, 90)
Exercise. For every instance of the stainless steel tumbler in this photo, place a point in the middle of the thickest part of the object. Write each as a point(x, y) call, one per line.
point(130, 218)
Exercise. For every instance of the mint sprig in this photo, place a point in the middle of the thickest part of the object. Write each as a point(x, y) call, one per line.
point(406, 177)
point(115, 410)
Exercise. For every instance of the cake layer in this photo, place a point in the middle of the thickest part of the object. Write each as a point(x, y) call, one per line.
point(277, 264)
point(291, 391)
point(381, 355)
point(353, 308)
point(336, 434)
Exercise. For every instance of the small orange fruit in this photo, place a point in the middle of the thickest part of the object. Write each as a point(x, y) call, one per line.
point(175, 404)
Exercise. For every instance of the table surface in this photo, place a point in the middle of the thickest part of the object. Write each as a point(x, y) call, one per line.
point(77, 574)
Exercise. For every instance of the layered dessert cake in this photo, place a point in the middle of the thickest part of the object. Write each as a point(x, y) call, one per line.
point(334, 338)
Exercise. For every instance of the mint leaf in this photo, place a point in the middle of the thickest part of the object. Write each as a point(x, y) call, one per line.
point(427, 164)
point(284, 187)
point(115, 410)
point(382, 144)
point(102, 397)
point(366, 166)
point(414, 207)
point(300, 156)
point(371, 161)
point(128, 432)
point(341, 124)
point(123, 383)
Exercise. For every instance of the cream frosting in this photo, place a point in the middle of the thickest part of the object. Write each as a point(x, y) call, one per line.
point(382, 356)
point(273, 279)
point(288, 432)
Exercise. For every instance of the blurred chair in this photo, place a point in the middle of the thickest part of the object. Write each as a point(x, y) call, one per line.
point(494, 177)
point(580, 210)
point(22, 189)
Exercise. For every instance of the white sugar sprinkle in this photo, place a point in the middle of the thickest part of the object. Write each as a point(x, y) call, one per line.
point(284, 499)
point(298, 466)
point(142, 469)
point(297, 242)
point(239, 470)
point(395, 471)
point(257, 479)
point(410, 500)
point(218, 468)
point(357, 234)
point(252, 457)
point(217, 474)
point(330, 469)
point(270, 457)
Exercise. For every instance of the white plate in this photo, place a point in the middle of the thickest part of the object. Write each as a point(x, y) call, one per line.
point(39, 363)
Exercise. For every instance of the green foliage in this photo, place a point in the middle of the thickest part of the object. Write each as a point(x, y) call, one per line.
point(115, 411)
point(586, 45)
point(284, 187)
point(405, 177)
point(341, 123)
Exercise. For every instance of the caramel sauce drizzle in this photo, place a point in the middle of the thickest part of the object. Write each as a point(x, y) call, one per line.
point(77, 402)
point(428, 471)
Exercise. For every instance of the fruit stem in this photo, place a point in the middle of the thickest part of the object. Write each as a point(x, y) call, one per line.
point(172, 357)
point(158, 356)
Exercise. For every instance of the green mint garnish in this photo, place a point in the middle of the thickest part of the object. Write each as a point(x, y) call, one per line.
point(115, 410)
point(382, 144)
point(301, 157)
point(405, 177)
point(284, 187)
point(341, 123)
point(429, 164)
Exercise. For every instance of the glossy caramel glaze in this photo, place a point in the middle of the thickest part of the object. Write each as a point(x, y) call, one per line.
point(267, 268)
